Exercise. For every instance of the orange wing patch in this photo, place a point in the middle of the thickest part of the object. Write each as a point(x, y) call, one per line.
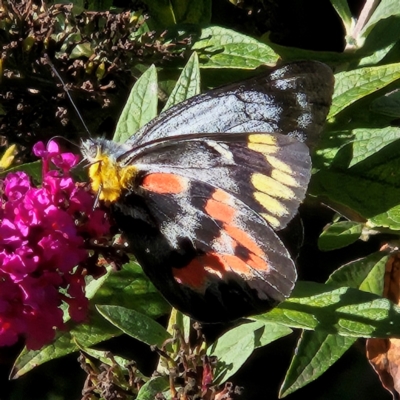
point(217, 207)
point(195, 274)
point(244, 239)
point(205, 268)
point(221, 208)
point(163, 183)
point(235, 251)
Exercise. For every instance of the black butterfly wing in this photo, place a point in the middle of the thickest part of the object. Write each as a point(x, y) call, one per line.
point(201, 210)
point(212, 257)
point(293, 99)
point(202, 217)
point(269, 173)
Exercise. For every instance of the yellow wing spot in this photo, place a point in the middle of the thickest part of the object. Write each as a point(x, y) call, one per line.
point(109, 178)
point(274, 206)
point(279, 164)
point(286, 179)
point(263, 148)
point(263, 143)
point(274, 222)
point(266, 184)
point(263, 138)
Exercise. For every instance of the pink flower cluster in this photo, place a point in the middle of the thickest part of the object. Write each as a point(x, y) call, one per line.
point(42, 249)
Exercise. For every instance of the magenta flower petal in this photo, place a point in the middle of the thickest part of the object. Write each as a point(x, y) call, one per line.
point(97, 224)
point(16, 185)
point(12, 323)
point(44, 232)
point(53, 148)
point(39, 150)
point(18, 266)
point(66, 161)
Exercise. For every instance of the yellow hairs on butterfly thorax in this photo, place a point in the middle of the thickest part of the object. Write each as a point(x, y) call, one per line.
point(110, 179)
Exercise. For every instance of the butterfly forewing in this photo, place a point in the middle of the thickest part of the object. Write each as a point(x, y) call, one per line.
point(267, 172)
point(292, 100)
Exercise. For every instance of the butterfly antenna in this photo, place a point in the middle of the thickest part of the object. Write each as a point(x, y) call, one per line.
point(97, 199)
point(53, 68)
point(65, 139)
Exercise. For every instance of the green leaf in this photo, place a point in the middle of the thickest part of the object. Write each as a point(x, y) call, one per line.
point(381, 40)
point(143, 26)
point(94, 285)
point(69, 41)
point(224, 48)
point(390, 219)
point(385, 9)
point(269, 333)
point(366, 273)
point(167, 13)
point(339, 234)
point(183, 323)
point(345, 311)
point(367, 142)
point(361, 191)
point(82, 50)
point(234, 347)
point(317, 351)
point(140, 108)
point(104, 357)
point(150, 389)
point(343, 10)
point(351, 86)
point(135, 324)
point(389, 104)
point(188, 84)
point(192, 12)
point(363, 173)
point(161, 12)
point(33, 169)
point(132, 289)
point(290, 54)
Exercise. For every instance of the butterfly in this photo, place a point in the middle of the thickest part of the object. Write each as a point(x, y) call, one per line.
point(201, 191)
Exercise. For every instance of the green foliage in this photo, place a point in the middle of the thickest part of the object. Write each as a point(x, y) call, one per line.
point(135, 324)
point(149, 390)
point(166, 13)
point(34, 169)
point(224, 48)
point(356, 172)
point(339, 234)
point(188, 83)
point(234, 347)
point(140, 108)
point(317, 350)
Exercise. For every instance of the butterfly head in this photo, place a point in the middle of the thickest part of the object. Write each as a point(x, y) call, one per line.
point(109, 178)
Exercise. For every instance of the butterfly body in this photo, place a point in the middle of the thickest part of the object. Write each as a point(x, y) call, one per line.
point(201, 190)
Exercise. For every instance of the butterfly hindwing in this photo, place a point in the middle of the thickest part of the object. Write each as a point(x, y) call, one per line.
point(220, 259)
